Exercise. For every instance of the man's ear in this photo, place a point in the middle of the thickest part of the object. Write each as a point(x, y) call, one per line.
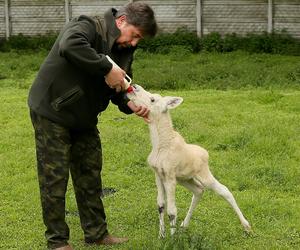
point(173, 102)
point(120, 20)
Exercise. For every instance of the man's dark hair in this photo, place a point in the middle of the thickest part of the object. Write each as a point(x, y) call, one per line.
point(141, 16)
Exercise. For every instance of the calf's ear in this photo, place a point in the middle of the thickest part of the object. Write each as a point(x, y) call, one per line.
point(173, 102)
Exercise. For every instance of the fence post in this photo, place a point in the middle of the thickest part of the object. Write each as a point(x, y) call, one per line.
point(7, 24)
point(67, 10)
point(199, 17)
point(270, 16)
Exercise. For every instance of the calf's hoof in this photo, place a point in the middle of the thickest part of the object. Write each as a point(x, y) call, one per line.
point(247, 227)
point(162, 234)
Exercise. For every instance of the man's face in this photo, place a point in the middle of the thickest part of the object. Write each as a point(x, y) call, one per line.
point(130, 35)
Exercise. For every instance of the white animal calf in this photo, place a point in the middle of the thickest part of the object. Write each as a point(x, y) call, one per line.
point(173, 160)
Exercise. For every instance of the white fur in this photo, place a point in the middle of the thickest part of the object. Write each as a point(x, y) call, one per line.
point(175, 161)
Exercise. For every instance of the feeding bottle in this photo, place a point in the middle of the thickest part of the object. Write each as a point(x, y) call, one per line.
point(127, 79)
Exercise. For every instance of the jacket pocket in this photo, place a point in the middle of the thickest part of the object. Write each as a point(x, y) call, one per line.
point(67, 98)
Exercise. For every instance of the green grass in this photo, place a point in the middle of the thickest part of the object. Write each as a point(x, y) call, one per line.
point(252, 135)
point(237, 70)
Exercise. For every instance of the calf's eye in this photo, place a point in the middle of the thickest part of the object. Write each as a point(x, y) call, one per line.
point(152, 99)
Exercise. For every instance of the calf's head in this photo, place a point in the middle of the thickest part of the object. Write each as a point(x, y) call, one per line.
point(154, 102)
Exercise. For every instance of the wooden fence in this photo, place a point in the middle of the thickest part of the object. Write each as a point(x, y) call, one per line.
point(38, 17)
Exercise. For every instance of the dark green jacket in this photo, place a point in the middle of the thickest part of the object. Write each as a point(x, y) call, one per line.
point(70, 88)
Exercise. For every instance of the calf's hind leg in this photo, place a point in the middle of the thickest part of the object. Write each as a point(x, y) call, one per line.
point(222, 190)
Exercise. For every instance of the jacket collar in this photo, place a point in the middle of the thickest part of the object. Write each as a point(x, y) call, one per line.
point(107, 27)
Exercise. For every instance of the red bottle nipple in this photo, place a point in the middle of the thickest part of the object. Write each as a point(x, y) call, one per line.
point(130, 89)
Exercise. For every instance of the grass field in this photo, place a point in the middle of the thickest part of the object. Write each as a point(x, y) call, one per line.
point(251, 132)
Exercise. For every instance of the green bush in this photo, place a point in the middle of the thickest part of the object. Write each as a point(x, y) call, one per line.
point(183, 40)
point(21, 42)
point(212, 42)
point(283, 43)
point(275, 43)
point(231, 42)
point(163, 43)
point(4, 45)
point(258, 43)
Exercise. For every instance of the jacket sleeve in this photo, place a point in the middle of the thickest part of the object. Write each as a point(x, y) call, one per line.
point(125, 61)
point(121, 100)
point(75, 46)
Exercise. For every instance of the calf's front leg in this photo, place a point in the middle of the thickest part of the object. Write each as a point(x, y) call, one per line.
point(161, 205)
point(197, 190)
point(170, 188)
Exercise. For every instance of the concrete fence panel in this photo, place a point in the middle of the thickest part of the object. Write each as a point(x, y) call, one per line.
point(2, 18)
point(241, 17)
point(38, 17)
point(287, 17)
point(172, 15)
point(93, 7)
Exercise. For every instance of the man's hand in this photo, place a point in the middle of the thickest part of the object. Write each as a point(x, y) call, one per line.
point(115, 78)
point(139, 111)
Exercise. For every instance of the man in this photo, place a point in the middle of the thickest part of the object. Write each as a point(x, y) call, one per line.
point(75, 83)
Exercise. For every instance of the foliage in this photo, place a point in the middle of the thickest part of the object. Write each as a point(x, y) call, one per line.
point(21, 42)
point(212, 42)
point(164, 42)
point(182, 39)
point(274, 43)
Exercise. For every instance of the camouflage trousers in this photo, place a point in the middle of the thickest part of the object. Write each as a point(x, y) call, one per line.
point(61, 151)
